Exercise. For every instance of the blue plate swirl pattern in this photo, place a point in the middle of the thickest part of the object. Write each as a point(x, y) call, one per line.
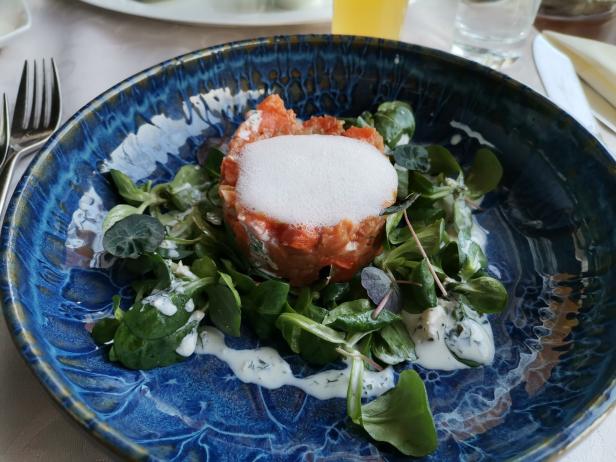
point(551, 240)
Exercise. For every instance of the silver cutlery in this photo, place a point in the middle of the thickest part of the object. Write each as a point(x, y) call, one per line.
point(35, 118)
point(5, 131)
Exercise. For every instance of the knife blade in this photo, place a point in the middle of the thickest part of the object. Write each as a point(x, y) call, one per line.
point(561, 82)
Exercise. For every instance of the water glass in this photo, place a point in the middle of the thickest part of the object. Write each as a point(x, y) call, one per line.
point(373, 18)
point(493, 32)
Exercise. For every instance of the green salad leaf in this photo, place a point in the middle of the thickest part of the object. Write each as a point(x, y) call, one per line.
point(402, 417)
point(136, 352)
point(393, 345)
point(313, 341)
point(334, 293)
point(412, 157)
point(417, 297)
point(187, 186)
point(356, 316)
point(224, 305)
point(133, 236)
point(485, 173)
point(355, 389)
point(392, 120)
point(485, 294)
point(442, 161)
point(104, 330)
point(264, 304)
point(145, 318)
point(117, 213)
point(128, 189)
point(213, 161)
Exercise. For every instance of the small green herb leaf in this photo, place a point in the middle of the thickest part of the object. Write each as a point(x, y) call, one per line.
point(442, 161)
point(243, 282)
point(263, 306)
point(133, 236)
point(422, 185)
point(117, 213)
point(187, 186)
point(334, 293)
point(213, 162)
point(127, 189)
point(393, 344)
point(118, 312)
point(356, 316)
point(484, 294)
point(149, 323)
point(402, 417)
point(391, 223)
point(485, 173)
point(318, 330)
point(474, 261)
point(104, 330)
point(430, 237)
point(204, 267)
point(405, 204)
point(137, 353)
point(394, 119)
point(403, 182)
point(449, 259)
point(412, 157)
point(224, 308)
point(315, 342)
point(423, 295)
point(355, 389)
point(463, 221)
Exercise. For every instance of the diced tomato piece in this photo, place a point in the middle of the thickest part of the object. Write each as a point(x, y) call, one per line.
point(323, 125)
point(299, 237)
point(367, 134)
point(275, 118)
point(229, 171)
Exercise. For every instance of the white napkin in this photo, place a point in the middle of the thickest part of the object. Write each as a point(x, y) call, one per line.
point(595, 63)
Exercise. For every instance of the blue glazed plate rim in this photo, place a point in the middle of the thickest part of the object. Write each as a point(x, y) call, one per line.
point(30, 350)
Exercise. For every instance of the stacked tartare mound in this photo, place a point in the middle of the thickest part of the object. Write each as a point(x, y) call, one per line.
point(303, 196)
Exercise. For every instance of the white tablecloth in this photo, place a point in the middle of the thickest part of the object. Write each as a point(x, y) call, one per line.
point(95, 49)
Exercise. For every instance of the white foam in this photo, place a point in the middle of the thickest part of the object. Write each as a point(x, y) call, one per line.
point(315, 180)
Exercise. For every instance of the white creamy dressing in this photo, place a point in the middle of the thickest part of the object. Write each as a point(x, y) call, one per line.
point(479, 234)
point(190, 306)
point(162, 302)
point(430, 330)
point(189, 342)
point(183, 271)
point(265, 367)
point(171, 247)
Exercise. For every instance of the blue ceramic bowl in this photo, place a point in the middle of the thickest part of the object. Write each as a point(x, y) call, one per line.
point(551, 241)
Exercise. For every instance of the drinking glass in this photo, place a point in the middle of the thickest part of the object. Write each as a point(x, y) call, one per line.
point(374, 18)
point(493, 32)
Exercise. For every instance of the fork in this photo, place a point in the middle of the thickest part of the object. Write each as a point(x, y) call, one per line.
point(5, 131)
point(34, 119)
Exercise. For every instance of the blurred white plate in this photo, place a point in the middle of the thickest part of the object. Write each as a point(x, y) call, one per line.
point(226, 12)
point(14, 19)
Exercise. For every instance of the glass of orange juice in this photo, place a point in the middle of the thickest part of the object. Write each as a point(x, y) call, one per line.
point(374, 18)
